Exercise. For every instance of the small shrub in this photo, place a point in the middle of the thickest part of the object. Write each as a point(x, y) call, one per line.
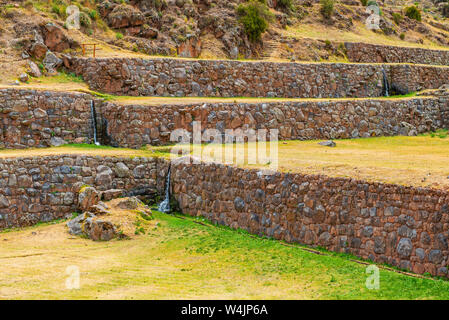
point(255, 17)
point(118, 36)
point(327, 8)
point(28, 4)
point(364, 2)
point(413, 13)
point(402, 36)
point(85, 20)
point(55, 9)
point(93, 14)
point(397, 17)
point(285, 4)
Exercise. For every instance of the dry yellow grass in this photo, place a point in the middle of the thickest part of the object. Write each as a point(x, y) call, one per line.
point(156, 265)
point(154, 101)
point(76, 150)
point(417, 161)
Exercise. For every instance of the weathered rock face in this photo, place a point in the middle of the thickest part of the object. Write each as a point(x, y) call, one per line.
point(34, 69)
point(124, 16)
point(135, 126)
point(87, 198)
point(31, 118)
point(401, 226)
point(54, 38)
point(46, 188)
point(98, 229)
point(364, 52)
point(177, 77)
point(93, 227)
point(51, 62)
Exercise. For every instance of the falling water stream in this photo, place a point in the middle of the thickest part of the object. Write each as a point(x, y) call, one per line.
point(386, 85)
point(94, 121)
point(164, 206)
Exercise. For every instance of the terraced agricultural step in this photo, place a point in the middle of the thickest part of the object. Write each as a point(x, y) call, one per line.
point(374, 53)
point(32, 118)
point(219, 78)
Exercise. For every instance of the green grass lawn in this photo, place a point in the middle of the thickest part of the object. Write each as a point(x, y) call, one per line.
point(182, 259)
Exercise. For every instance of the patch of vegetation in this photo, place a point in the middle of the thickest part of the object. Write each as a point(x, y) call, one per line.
point(413, 13)
point(119, 36)
point(364, 2)
point(327, 8)
point(255, 18)
point(440, 133)
point(397, 17)
point(285, 4)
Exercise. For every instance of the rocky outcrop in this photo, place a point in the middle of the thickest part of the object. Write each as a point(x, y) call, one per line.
point(55, 38)
point(93, 227)
point(87, 198)
point(125, 16)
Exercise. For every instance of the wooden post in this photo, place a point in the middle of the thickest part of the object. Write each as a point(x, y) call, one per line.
point(84, 49)
point(94, 49)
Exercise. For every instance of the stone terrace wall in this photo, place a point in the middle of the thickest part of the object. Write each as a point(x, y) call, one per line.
point(135, 126)
point(366, 53)
point(31, 118)
point(45, 188)
point(402, 226)
point(178, 77)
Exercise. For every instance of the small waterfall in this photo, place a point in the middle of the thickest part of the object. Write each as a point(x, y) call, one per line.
point(386, 91)
point(94, 121)
point(164, 206)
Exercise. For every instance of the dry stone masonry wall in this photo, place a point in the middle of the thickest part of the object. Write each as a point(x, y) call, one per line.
point(30, 118)
point(135, 126)
point(403, 226)
point(178, 77)
point(46, 188)
point(366, 53)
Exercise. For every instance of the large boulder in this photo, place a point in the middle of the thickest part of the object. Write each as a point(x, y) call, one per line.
point(87, 198)
point(54, 37)
point(33, 69)
point(38, 50)
point(92, 227)
point(98, 229)
point(57, 141)
point(51, 62)
point(76, 225)
point(124, 16)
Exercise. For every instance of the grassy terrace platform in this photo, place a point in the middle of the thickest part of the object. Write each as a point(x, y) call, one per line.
point(154, 101)
point(417, 161)
point(210, 262)
point(414, 161)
